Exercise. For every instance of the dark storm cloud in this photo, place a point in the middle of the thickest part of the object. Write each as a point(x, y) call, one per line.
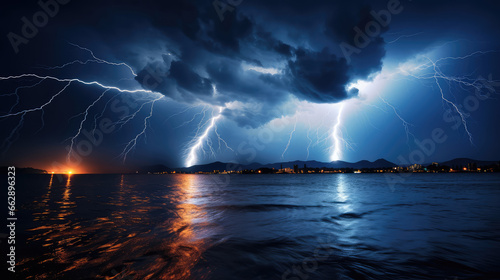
point(226, 36)
point(299, 39)
point(319, 77)
point(189, 80)
point(303, 47)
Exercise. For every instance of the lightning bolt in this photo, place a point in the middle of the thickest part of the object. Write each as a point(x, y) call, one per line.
point(12, 136)
point(310, 140)
point(68, 83)
point(221, 140)
point(406, 124)
point(78, 81)
point(8, 141)
point(197, 142)
point(179, 113)
point(430, 70)
point(132, 143)
point(86, 113)
point(37, 108)
point(289, 139)
point(438, 76)
point(404, 36)
point(203, 112)
point(94, 60)
point(321, 139)
point(124, 120)
point(337, 136)
point(16, 93)
point(98, 116)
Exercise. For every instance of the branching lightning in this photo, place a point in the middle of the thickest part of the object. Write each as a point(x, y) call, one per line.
point(82, 122)
point(68, 83)
point(9, 140)
point(310, 140)
point(97, 116)
point(202, 112)
point(437, 75)
point(289, 139)
point(155, 96)
point(78, 81)
point(197, 142)
point(178, 113)
point(16, 93)
point(132, 143)
point(37, 108)
point(337, 136)
point(125, 119)
point(406, 124)
point(404, 36)
point(221, 140)
point(94, 60)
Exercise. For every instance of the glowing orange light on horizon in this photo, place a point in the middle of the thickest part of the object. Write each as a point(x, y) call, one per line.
point(68, 172)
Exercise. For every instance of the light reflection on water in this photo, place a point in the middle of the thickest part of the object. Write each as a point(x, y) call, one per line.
point(343, 195)
point(345, 207)
point(257, 227)
point(166, 249)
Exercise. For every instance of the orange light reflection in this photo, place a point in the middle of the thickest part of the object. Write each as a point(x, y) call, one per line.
point(169, 248)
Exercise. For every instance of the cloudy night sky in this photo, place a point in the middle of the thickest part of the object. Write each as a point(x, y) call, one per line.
point(181, 83)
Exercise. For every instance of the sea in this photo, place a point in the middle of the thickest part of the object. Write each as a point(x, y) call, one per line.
point(276, 226)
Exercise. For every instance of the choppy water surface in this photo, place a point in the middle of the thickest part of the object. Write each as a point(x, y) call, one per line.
point(338, 226)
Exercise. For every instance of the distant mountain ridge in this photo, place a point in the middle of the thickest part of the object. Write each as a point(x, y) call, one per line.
point(24, 170)
point(221, 166)
point(465, 161)
point(379, 163)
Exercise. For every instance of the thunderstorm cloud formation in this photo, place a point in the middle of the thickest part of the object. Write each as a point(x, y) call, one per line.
point(191, 51)
point(233, 55)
